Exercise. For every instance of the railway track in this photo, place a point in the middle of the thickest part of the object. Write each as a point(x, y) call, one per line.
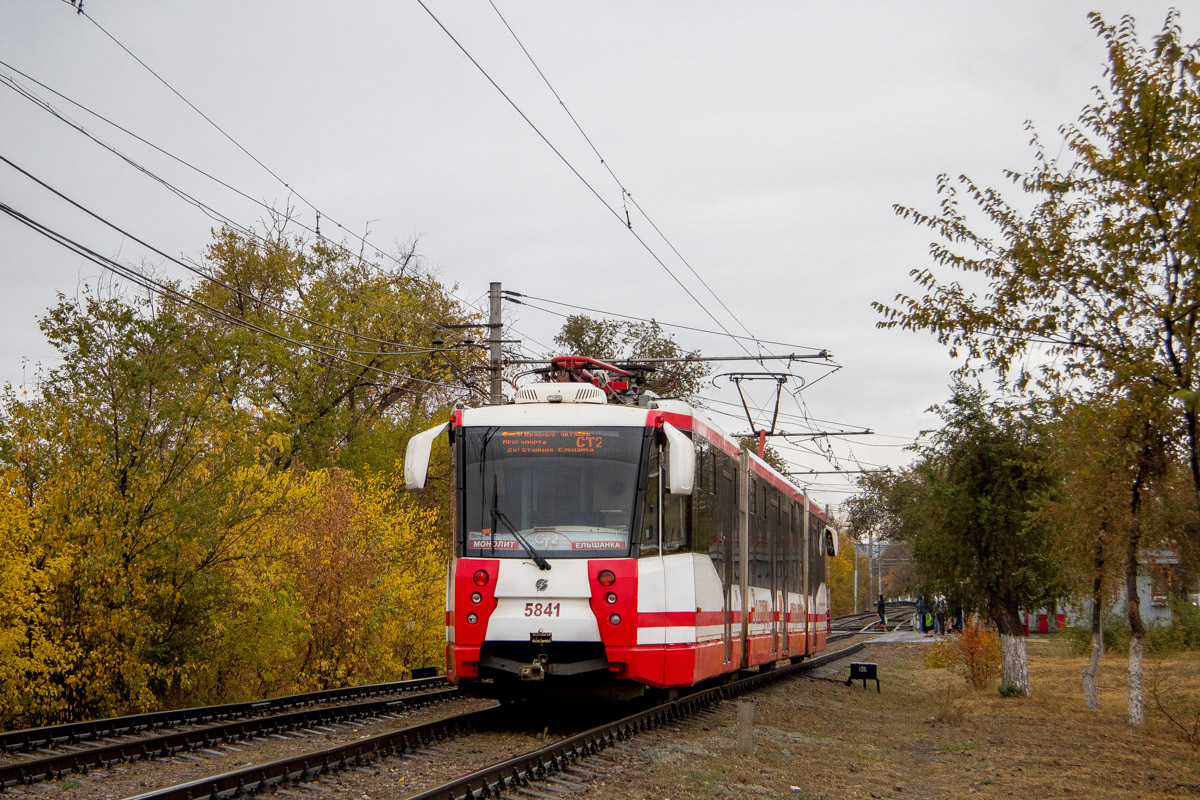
point(516, 775)
point(73, 733)
point(899, 615)
point(204, 734)
point(68, 759)
point(545, 763)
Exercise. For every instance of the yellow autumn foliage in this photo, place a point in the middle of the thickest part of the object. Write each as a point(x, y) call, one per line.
point(257, 582)
point(192, 513)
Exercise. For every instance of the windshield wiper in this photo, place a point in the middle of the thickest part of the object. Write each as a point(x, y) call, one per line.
point(497, 514)
point(543, 564)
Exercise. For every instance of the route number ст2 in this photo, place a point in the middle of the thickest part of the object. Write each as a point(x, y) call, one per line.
point(543, 609)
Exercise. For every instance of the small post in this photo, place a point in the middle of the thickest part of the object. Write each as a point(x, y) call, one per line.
point(745, 726)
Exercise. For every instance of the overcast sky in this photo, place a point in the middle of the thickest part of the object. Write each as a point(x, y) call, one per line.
point(767, 141)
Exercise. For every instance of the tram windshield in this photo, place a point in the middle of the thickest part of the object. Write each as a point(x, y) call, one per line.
point(562, 492)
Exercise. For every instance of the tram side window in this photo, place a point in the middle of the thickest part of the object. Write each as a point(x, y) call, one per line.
point(649, 534)
point(760, 555)
point(727, 497)
point(675, 513)
point(706, 535)
point(675, 516)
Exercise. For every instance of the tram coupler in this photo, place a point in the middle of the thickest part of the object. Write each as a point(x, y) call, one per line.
point(535, 671)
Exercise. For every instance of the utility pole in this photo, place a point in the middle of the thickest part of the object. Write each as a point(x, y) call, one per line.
point(855, 546)
point(870, 551)
point(495, 327)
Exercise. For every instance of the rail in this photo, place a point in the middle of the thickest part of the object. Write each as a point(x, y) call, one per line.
point(70, 733)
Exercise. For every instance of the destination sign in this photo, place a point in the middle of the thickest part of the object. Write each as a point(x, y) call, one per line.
point(550, 442)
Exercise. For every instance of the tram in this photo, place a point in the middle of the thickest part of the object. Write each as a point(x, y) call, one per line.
point(612, 541)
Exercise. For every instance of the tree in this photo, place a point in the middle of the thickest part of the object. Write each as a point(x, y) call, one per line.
point(1095, 290)
point(364, 368)
point(966, 509)
point(1119, 482)
point(609, 340)
point(201, 500)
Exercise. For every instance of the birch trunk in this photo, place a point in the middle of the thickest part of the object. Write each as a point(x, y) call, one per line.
point(1137, 697)
point(1133, 609)
point(1093, 668)
point(1014, 661)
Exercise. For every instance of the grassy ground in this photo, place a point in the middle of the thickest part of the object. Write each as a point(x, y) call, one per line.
point(929, 736)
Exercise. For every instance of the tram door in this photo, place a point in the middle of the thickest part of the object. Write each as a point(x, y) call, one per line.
point(782, 556)
point(796, 574)
point(806, 587)
point(772, 526)
point(727, 519)
point(651, 572)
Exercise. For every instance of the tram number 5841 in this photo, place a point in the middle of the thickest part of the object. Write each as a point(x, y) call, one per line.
point(543, 609)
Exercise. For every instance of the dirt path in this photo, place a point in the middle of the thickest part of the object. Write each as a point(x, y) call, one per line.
point(822, 739)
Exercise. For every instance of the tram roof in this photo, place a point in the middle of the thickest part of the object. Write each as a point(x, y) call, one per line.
point(678, 412)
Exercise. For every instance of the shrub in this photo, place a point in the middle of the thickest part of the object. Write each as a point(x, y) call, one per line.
point(949, 701)
point(1187, 617)
point(941, 654)
point(975, 651)
point(1181, 633)
point(1011, 690)
point(1079, 640)
point(980, 648)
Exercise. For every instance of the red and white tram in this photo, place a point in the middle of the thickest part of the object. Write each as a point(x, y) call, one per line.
point(613, 541)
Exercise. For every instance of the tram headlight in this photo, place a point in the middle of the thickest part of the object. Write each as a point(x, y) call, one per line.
point(476, 597)
point(606, 577)
point(611, 598)
point(472, 618)
point(480, 577)
point(615, 619)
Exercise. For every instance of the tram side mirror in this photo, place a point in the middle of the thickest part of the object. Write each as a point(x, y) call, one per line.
point(681, 461)
point(416, 456)
point(831, 542)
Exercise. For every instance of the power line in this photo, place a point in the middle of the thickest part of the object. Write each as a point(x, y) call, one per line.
point(203, 274)
point(157, 287)
point(570, 166)
point(208, 210)
point(362, 239)
point(604, 162)
point(527, 297)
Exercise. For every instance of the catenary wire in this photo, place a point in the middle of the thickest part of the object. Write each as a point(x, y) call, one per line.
point(150, 284)
point(285, 184)
point(645, 245)
point(525, 297)
point(604, 162)
point(208, 210)
point(412, 350)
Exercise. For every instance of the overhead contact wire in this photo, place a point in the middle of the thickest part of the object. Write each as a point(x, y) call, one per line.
point(146, 282)
point(570, 166)
point(604, 162)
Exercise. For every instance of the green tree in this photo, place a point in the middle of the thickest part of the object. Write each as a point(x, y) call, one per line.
point(1094, 289)
point(966, 507)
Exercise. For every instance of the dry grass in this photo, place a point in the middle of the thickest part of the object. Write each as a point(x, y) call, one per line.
point(930, 736)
